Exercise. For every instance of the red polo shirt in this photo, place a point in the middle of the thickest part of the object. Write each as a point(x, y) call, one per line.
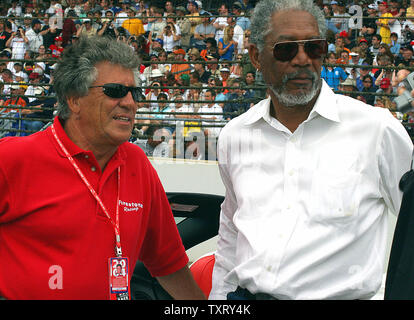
point(55, 240)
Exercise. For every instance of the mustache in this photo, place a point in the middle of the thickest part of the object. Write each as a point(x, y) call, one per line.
point(300, 73)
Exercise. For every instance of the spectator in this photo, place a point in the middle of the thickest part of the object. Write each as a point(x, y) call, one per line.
point(184, 25)
point(178, 69)
point(385, 87)
point(170, 38)
point(369, 26)
point(213, 65)
point(211, 107)
point(238, 34)
point(395, 46)
point(397, 12)
point(376, 42)
point(18, 42)
point(122, 14)
point(193, 17)
point(156, 144)
point(53, 31)
point(153, 93)
point(341, 23)
point(15, 9)
point(201, 70)
point(7, 78)
point(236, 69)
point(384, 22)
point(17, 101)
point(133, 24)
point(158, 25)
point(363, 71)
point(220, 23)
point(108, 28)
point(226, 45)
point(224, 76)
point(35, 35)
point(407, 54)
point(250, 93)
point(57, 48)
point(171, 20)
point(72, 6)
point(236, 103)
point(203, 31)
point(34, 79)
point(4, 34)
point(348, 87)
point(18, 74)
point(86, 29)
point(69, 28)
point(340, 45)
point(368, 88)
point(241, 20)
point(333, 75)
point(163, 110)
point(169, 8)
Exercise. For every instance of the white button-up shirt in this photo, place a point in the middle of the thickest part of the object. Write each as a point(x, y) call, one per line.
point(305, 213)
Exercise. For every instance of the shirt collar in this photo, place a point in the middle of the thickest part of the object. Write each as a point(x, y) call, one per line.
point(325, 106)
point(72, 148)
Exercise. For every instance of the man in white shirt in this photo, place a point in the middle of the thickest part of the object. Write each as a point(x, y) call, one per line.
point(310, 175)
point(216, 114)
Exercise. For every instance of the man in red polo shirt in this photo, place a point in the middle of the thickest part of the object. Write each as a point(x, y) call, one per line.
point(77, 199)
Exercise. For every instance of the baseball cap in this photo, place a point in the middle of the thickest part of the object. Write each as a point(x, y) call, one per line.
point(385, 83)
point(193, 3)
point(224, 70)
point(34, 75)
point(181, 8)
point(179, 51)
point(343, 34)
point(160, 41)
point(58, 39)
point(363, 40)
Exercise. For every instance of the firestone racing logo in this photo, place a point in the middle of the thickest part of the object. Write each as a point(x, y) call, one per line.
point(130, 206)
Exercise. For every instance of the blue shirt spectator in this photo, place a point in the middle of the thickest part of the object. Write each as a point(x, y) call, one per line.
point(333, 75)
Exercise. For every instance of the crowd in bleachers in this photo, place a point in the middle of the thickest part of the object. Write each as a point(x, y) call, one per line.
point(195, 72)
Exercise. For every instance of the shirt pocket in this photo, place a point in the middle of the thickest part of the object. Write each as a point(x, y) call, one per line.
point(335, 193)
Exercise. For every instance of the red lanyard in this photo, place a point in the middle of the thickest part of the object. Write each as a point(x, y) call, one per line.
point(118, 249)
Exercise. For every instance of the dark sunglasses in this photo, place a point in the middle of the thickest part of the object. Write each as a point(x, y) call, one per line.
point(118, 91)
point(287, 50)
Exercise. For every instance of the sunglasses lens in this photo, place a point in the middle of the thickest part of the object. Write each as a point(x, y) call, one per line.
point(285, 51)
point(136, 94)
point(114, 90)
point(315, 49)
point(117, 91)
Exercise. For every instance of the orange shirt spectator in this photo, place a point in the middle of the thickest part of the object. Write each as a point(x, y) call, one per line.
point(178, 69)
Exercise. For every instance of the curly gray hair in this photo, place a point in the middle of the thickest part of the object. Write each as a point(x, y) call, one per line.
point(264, 10)
point(76, 71)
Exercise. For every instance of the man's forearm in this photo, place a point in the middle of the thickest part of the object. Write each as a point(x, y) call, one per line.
point(181, 285)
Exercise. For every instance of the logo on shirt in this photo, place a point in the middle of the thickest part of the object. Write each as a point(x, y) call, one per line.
point(130, 206)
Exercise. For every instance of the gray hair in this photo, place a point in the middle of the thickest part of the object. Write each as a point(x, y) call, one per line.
point(264, 10)
point(76, 71)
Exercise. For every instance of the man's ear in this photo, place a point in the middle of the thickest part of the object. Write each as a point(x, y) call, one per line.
point(74, 104)
point(254, 56)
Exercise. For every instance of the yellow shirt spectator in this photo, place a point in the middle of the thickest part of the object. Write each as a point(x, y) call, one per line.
point(134, 26)
point(385, 31)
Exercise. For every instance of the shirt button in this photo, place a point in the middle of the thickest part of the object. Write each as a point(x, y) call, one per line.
point(93, 169)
